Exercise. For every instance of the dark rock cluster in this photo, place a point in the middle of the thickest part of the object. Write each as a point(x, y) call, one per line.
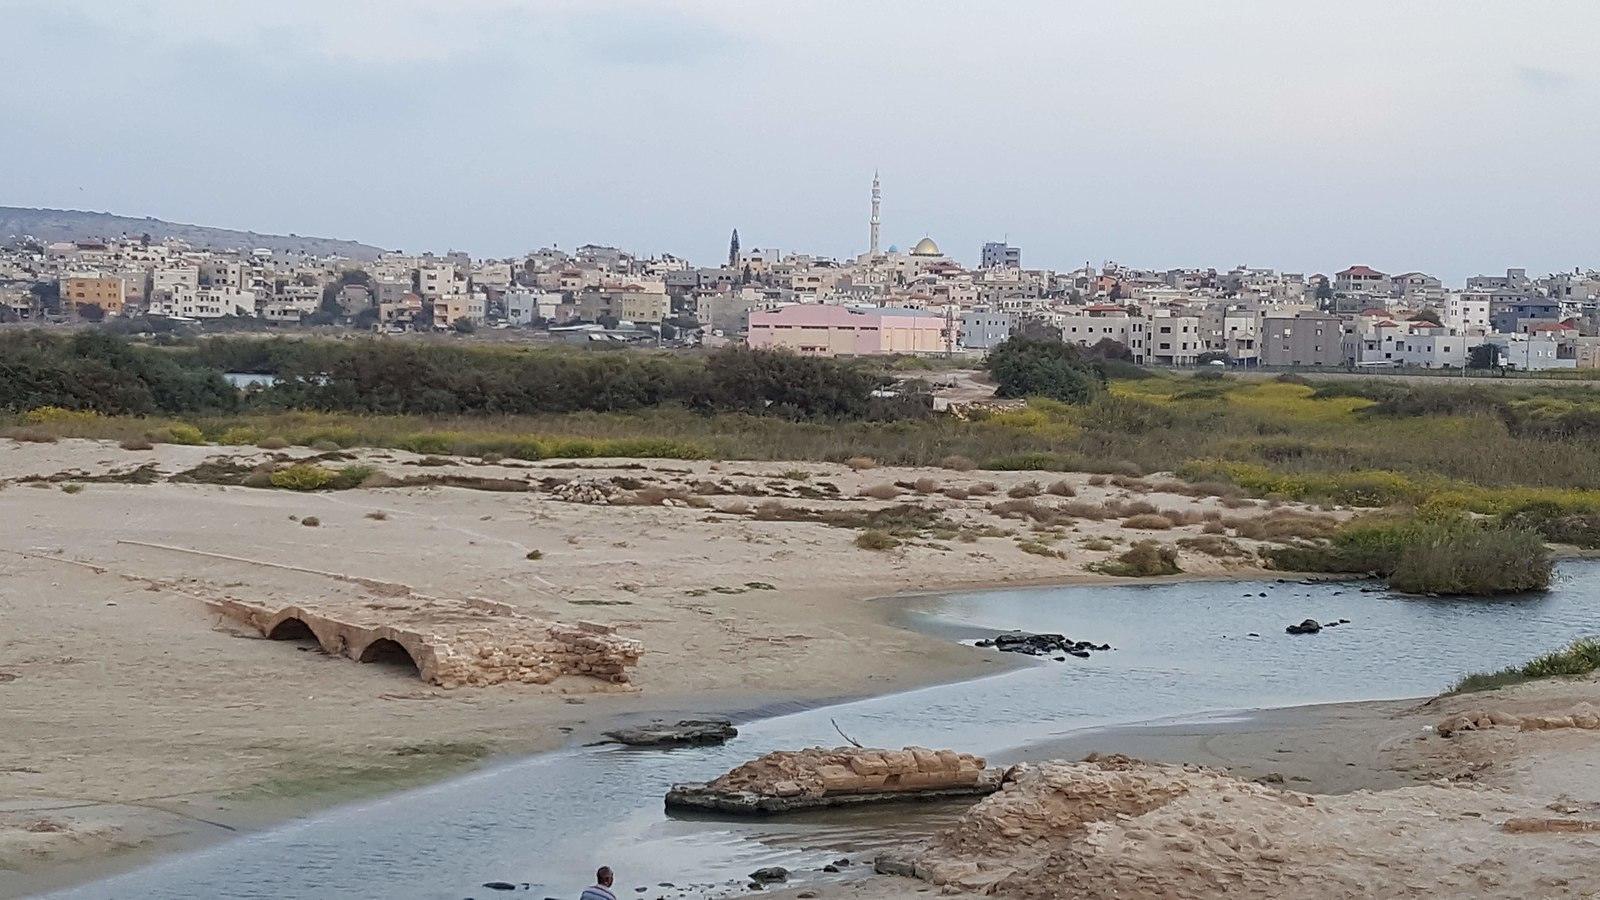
point(1041, 644)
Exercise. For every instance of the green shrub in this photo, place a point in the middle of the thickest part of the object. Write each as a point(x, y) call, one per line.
point(1214, 545)
point(351, 477)
point(302, 477)
point(1582, 657)
point(180, 433)
point(272, 443)
point(240, 436)
point(337, 437)
point(1142, 560)
point(1429, 556)
point(1023, 367)
point(875, 539)
point(55, 415)
point(1557, 525)
point(1472, 559)
point(426, 443)
point(1038, 548)
point(1037, 461)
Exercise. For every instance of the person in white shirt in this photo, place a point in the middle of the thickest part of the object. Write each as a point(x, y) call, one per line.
point(601, 890)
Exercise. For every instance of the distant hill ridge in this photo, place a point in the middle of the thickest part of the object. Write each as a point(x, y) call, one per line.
point(76, 225)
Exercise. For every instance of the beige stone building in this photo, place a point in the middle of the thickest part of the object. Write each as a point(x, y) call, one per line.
point(105, 291)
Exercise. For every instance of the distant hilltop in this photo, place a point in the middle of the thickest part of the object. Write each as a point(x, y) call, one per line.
point(75, 225)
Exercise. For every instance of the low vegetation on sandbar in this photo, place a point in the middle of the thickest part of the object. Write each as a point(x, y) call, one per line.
point(1428, 554)
point(1483, 475)
point(1580, 658)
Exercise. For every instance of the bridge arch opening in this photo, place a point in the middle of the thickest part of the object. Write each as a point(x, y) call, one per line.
point(292, 629)
point(390, 653)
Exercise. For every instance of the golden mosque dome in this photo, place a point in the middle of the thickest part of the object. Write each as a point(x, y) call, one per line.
point(926, 247)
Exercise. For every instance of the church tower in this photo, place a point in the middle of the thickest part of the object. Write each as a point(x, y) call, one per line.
point(733, 249)
point(877, 199)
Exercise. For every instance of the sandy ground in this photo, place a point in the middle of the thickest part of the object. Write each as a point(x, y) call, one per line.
point(133, 721)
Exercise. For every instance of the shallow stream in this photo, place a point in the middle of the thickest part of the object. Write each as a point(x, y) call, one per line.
point(1181, 650)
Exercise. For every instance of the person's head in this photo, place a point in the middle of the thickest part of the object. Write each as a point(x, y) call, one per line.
point(603, 876)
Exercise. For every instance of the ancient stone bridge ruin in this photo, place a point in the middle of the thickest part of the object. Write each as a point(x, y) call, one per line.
point(787, 780)
point(475, 643)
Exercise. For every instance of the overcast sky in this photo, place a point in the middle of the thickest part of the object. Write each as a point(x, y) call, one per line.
point(1453, 136)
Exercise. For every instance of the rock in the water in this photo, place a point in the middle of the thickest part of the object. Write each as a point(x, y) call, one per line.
point(770, 875)
point(499, 885)
point(1309, 626)
point(1041, 645)
point(687, 732)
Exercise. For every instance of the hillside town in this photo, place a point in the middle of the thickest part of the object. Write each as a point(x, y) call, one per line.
point(919, 301)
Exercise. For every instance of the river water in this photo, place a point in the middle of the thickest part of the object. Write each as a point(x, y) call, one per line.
point(1181, 650)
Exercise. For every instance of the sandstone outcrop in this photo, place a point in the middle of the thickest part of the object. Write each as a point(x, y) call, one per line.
point(1114, 827)
point(800, 779)
point(471, 644)
point(1583, 715)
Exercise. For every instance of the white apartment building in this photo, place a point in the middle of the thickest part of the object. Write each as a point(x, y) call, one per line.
point(1094, 324)
point(1465, 311)
point(213, 303)
point(1173, 340)
point(1431, 347)
point(1532, 352)
point(1380, 341)
point(524, 305)
point(170, 279)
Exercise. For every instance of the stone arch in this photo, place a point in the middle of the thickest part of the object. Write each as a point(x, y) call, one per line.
point(390, 653)
point(292, 629)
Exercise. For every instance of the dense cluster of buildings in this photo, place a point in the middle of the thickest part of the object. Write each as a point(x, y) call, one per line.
point(883, 301)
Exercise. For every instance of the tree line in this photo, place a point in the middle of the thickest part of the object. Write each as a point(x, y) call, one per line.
point(111, 375)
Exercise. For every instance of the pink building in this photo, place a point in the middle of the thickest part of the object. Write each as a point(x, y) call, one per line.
point(821, 330)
